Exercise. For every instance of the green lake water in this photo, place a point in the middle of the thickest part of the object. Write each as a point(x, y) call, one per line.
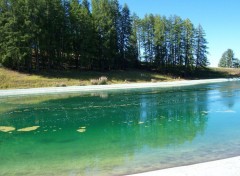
point(120, 132)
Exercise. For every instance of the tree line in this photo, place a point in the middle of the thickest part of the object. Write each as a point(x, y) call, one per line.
point(101, 35)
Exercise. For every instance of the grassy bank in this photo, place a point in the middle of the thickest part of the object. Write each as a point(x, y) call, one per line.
point(12, 79)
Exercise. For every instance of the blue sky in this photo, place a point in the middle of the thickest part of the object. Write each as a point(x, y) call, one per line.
point(219, 18)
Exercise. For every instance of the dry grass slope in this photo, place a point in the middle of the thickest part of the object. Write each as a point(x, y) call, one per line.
point(12, 79)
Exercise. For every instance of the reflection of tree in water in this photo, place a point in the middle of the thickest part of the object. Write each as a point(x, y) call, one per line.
point(173, 117)
point(229, 91)
point(116, 124)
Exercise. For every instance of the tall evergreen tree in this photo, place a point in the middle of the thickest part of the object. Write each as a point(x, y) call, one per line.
point(125, 33)
point(188, 43)
point(17, 33)
point(228, 60)
point(115, 32)
point(147, 38)
point(76, 22)
point(104, 14)
point(160, 51)
point(200, 48)
point(177, 41)
point(89, 37)
point(134, 53)
point(170, 42)
point(236, 63)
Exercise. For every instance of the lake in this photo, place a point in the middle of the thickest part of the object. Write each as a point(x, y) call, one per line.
point(119, 132)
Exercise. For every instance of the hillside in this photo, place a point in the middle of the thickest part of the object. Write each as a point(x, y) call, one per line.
point(12, 79)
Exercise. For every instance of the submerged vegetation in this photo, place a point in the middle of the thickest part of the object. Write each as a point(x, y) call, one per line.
point(103, 35)
point(113, 132)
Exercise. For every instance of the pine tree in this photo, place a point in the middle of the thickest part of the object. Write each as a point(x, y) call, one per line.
point(105, 14)
point(76, 33)
point(52, 27)
point(200, 48)
point(170, 42)
point(115, 35)
point(86, 6)
point(160, 41)
point(177, 41)
point(18, 32)
point(223, 61)
point(188, 44)
point(89, 50)
point(125, 34)
point(147, 38)
point(134, 53)
point(228, 60)
point(236, 63)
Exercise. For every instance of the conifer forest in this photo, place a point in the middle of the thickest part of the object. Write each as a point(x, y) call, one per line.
point(95, 35)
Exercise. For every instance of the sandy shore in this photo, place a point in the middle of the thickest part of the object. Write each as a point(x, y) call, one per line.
point(52, 90)
point(225, 167)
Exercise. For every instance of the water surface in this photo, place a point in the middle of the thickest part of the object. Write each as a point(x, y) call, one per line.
point(119, 132)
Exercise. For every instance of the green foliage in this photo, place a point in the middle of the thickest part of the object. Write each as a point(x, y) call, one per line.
point(172, 43)
point(81, 33)
point(188, 40)
point(228, 60)
point(236, 63)
point(201, 48)
point(133, 54)
point(64, 34)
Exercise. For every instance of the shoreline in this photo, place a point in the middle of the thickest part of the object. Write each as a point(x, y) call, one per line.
point(72, 89)
point(223, 167)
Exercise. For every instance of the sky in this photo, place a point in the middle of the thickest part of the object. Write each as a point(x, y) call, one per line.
point(219, 18)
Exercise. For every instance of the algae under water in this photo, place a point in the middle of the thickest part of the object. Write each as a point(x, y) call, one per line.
point(119, 132)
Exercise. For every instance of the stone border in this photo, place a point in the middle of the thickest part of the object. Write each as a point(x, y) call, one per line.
point(55, 90)
point(224, 167)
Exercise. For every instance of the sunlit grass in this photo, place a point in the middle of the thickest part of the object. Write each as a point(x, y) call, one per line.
point(12, 79)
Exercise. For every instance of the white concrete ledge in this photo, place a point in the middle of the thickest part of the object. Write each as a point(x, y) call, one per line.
point(52, 90)
point(225, 167)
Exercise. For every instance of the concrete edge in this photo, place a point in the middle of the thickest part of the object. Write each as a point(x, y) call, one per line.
point(55, 90)
point(224, 167)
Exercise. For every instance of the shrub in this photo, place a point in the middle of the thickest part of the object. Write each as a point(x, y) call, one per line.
point(101, 81)
point(94, 81)
point(153, 80)
point(61, 85)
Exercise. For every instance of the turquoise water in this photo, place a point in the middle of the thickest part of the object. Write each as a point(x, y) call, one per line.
point(120, 132)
